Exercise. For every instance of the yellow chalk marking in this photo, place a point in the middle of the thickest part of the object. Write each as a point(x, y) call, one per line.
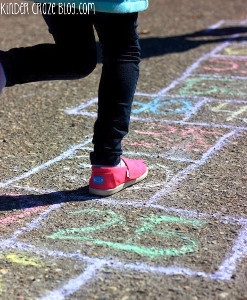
point(237, 51)
point(220, 107)
point(23, 260)
point(233, 115)
point(239, 112)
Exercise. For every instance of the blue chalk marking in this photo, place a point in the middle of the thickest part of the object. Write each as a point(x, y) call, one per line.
point(154, 106)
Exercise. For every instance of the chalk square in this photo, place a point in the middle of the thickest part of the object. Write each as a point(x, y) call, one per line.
point(150, 236)
point(234, 50)
point(223, 66)
point(217, 87)
point(176, 142)
point(35, 275)
point(157, 144)
point(222, 113)
point(72, 174)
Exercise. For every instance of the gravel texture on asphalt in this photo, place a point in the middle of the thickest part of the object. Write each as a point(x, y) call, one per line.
point(179, 234)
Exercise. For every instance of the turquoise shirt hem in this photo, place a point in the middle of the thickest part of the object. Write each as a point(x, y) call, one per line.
point(108, 6)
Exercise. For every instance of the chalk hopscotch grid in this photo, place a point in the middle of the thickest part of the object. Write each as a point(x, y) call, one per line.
point(225, 270)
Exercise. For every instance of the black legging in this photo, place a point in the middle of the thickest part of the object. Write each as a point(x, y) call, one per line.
point(74, 56)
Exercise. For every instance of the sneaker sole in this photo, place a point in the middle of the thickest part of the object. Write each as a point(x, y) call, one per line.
point(120, 187)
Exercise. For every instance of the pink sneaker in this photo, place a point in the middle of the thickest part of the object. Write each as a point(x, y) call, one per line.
point(106, 181)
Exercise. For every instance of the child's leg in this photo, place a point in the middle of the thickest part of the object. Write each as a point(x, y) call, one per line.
point(72, 56)
point(121, 57)
point(120, 72)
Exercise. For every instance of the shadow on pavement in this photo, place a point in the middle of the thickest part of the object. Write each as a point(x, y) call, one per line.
point(157, 46)
point(16, 202)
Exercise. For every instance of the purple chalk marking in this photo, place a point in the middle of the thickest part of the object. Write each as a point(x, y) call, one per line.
point(72, 150)
point(74, 284)
point(78, 110)
point(181, 175)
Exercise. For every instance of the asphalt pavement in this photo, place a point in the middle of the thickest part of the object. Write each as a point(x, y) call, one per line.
point(179, 234)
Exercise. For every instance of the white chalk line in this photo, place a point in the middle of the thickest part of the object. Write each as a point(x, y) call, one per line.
point(75, 110)
point(195, 109)
point(64, 155)
point(240, 44)
point(183, 174)
point(235, 57)
point(202, 124)
point(214, 26)
point(218, 76)
point(234, 22)
point(35, 223)
point(146, 95)
point(190, 113)
point(114, 264)
point(239, 250)
point(168, 172)
point(226, 100)
point(224, 271)
point(226, 219)
point(158, 155)
point(74, 284)
point(234, 220)
point(29, 189)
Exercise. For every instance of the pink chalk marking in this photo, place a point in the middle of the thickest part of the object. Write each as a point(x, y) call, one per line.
point(196, 138)
point(153, 133)
point(232, 65)
point(24, 214)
